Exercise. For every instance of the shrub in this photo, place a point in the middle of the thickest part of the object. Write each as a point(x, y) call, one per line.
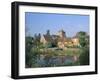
point(84, 56)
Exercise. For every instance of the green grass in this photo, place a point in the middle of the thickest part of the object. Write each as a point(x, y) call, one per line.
point(69, 51)
point(73, 51)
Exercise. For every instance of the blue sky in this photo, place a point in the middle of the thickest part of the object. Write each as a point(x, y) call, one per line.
point(41, 22)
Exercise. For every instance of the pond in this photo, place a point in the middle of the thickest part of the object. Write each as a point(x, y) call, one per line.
point(52, 61)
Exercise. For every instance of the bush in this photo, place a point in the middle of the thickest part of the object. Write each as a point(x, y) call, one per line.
point(84, 56)
point(48, 45)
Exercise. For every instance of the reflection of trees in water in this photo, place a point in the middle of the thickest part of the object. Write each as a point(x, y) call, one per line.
point(84, 56)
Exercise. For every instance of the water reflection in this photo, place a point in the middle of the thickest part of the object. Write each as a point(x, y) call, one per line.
point(50, 61)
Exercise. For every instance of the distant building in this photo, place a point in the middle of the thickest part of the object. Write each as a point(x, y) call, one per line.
point(45, 39)
point(60, 39)
point(75, 41)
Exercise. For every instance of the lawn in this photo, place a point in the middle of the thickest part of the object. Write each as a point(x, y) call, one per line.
point(53, 51)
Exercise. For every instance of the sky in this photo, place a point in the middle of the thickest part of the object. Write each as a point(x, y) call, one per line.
point(36, 23)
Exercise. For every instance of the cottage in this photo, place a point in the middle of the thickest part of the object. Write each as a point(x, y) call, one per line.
point(45, 39)
point(60, 39)
point(75, 41)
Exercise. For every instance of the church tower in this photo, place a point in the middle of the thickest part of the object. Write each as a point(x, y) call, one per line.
point(62, 34)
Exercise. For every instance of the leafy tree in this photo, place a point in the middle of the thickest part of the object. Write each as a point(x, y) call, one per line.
point(82, 38)
point(32, 53)
point(36, 41)
point(84, 43)
point(28, 46)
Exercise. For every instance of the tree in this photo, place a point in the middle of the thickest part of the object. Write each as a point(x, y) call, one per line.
point(28, 55)
point(82, 38)
point(48, 45)
point(39, 37)
point(48, 33)
point(32, 52)
point(84, 43)
point(37, 40)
